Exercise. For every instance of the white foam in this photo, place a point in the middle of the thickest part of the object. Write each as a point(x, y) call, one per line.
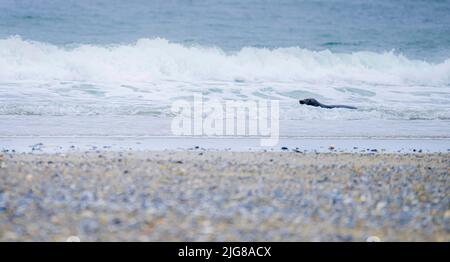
point(150, 60)
point(145, 77)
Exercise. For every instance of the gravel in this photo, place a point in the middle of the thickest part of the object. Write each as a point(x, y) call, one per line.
point(224, 196)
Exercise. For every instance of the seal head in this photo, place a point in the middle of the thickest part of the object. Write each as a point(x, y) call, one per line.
point(310, 102)
point(314, 102)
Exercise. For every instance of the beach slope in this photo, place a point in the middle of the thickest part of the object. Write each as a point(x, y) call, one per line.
point(224, 196)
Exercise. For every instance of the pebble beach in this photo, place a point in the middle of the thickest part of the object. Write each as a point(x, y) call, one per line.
point(224, 196)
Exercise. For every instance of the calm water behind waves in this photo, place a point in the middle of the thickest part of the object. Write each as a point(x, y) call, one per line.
point(416, 28)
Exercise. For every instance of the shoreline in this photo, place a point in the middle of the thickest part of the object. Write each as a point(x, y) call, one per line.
point(53, 134)
point(224, 196)
point(71, 144)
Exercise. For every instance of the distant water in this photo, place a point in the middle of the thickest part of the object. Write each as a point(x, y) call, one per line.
point(110, 57)
point(419, 29)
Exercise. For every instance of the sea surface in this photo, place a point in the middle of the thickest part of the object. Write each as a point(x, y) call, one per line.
point(66, 64)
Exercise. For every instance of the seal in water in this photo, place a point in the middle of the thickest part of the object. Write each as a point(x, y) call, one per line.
point(314, 102)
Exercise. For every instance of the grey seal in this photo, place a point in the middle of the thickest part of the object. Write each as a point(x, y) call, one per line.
point(314, 102)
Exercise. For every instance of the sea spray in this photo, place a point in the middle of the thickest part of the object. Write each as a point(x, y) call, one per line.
point(156, 59)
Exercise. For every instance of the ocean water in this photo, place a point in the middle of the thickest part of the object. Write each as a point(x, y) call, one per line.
point(113, 59)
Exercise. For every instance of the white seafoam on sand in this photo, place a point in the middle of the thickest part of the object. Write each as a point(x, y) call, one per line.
point(41, 78)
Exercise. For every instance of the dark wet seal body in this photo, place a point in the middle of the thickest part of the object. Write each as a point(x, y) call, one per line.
point(314, 102)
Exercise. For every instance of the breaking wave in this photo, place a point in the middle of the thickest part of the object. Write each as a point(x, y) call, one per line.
point(150, 60)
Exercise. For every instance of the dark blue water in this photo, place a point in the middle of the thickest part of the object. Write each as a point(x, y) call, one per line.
point(416, 28)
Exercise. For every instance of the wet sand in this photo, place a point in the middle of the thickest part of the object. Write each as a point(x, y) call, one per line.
point(224, 196)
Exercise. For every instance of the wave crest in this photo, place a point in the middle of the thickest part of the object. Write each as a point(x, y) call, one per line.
point(150, 60)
